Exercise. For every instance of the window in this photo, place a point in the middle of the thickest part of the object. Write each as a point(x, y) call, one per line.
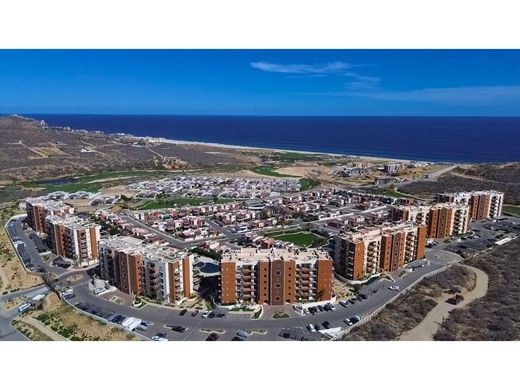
point(276, 298)
point(278, 272)
point(277, 285)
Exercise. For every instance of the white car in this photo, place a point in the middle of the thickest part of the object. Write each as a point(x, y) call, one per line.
point(158, 338)
point(205, 314)
point(394, 288)
point(99, 290)
point(343, 303)
point(347, 321)
point(311, 328)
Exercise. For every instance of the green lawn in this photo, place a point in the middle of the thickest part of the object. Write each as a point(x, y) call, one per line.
point(301, 238)
point(94, 182)
point(510, 209)
point(269, 171)
point(163, 203)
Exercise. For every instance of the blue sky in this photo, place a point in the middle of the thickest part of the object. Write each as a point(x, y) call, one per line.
point(261, 82)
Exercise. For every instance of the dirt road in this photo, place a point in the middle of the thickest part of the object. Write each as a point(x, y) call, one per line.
point(433, 320)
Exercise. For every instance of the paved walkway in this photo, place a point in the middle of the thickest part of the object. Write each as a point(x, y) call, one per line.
point(42, 328)
point(433, 320)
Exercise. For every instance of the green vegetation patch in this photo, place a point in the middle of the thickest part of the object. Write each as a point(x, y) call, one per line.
point(301, 238)
point(290, 157)
point(307, 184)
point(510, 209)
point(163, 203)
point(280, 314)
point(269, 171)
point(93, 183)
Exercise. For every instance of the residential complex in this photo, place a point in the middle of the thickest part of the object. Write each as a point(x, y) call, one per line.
point(72, 237)
point(275, 276)
point(372, 250)
point(442, 219)
point(39, 208)
point(482, 204)
point(157, 272)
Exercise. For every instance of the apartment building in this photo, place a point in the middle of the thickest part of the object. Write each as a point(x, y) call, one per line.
point(482, 204)
point(73, 237)
point(275, 276)
point(386, 248)
point(38, 209)
point(167, 278)
point(442, 219)
point(156, 272)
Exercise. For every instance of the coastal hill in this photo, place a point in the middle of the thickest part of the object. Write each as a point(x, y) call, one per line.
point(33, 150)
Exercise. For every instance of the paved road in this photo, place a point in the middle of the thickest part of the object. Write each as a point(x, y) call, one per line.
point(378, 294)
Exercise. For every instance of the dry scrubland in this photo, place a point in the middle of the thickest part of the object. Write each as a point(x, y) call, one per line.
point(496, 316)
point(500, 177)
point(13, 276)
point(31, 332)
point(411, 308)
point(67, 322)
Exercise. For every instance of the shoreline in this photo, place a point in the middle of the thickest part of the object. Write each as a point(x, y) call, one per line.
point(259, 148)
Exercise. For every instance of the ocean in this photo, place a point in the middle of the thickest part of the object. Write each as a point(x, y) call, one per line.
point(450, 139)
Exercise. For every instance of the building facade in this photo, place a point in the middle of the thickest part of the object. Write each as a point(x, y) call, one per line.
point(155, 272)
point(361, 254)
point(441, 219)
point(482, 204)
point(275, 276)
point(73, 237)
point(38, 209)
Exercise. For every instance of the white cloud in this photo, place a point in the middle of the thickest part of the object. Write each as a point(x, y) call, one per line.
point(451, 95)
point(329, 67)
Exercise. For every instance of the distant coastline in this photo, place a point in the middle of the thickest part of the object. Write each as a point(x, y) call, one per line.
point(439, 139)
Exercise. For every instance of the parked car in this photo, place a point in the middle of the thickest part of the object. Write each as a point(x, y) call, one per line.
point(394, 288)
point(355, 319)
point(211, 315)
point(351, 301)
point(326, 324)
point(212, 337)
point(194, 314)
point(205, 314)
point(178, 328)
point(320, 308)
point(311, 328)
point(99, 290)
point(347, 321)
point(363, 296)
point(160, 337)
point(343, 303)
point(183, 311)
point(243, 334)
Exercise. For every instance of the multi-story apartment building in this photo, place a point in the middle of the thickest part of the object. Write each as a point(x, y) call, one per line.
point(168, 277)
point(157, 272)
point(482, 204)
point(386, 248)
point(73, 237)
point(442, 219)
point(38, 209)
point(275, 276)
